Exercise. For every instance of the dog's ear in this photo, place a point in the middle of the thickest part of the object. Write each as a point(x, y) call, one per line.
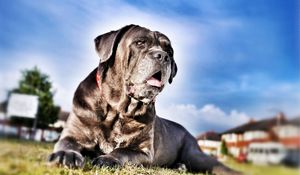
point(106, 44)
point(173, 70)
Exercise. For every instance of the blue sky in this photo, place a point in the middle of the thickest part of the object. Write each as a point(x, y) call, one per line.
point(237, 59)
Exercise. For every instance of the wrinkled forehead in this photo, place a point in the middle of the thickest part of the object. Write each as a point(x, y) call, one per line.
point(138, 32)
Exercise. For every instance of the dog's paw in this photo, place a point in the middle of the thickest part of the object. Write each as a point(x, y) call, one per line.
point(71, 159)
point(107, 161)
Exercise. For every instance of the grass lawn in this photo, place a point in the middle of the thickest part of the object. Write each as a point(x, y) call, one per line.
point(29, 158)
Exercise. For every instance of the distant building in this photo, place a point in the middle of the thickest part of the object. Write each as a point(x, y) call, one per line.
point(210, 143)
point(273, 131)
point(289, 136)
point(288, 133)
point(51, 133)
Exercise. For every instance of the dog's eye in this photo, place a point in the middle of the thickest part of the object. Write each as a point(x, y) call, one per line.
point(140, 43)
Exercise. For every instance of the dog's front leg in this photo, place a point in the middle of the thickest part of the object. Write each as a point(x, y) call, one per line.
point(121, 156)
point(67, 152)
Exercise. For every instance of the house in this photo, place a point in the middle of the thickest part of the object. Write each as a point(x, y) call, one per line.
point(289, 136)
point(238, 139)
point(289, 133)
point(210, 143)
point(51, 133)
point(277, 131)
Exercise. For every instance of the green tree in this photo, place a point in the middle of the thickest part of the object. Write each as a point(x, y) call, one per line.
point(35, 82)
point(224, 149)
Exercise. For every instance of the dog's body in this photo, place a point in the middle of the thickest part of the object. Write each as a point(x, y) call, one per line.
point(114, 116)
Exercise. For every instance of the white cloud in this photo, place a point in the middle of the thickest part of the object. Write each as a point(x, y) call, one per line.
point(197, 120)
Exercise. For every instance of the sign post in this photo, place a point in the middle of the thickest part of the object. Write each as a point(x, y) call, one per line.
point(23, 105)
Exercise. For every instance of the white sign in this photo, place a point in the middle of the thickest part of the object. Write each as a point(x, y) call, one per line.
point(22, 105)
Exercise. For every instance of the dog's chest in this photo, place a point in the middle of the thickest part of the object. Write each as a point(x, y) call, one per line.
point(122, 133)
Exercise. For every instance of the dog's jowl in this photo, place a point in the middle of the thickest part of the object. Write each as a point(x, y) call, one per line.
point(113, 119)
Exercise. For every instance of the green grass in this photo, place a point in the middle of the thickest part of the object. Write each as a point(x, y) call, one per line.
point(29, 158)
point(251, 169)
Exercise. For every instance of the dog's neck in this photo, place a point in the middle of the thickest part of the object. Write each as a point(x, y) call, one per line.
point(118, 100)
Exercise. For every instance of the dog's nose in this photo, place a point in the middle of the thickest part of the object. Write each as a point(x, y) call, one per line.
point(160, 55)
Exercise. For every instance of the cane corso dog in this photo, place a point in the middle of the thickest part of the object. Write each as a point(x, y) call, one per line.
point(113, 117)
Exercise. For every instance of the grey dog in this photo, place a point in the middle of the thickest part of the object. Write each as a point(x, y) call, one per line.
point(113, 119)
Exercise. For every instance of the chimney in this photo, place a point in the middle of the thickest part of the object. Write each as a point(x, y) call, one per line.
point(251, 120)
point(280, 118)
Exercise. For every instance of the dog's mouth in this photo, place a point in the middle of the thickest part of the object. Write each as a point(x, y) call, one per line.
point(148, 89)
point(155, 80)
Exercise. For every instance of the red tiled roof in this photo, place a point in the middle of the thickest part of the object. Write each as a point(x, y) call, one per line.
point(262, 125)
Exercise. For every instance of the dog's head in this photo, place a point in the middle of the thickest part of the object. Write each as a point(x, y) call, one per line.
point(141, 59)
